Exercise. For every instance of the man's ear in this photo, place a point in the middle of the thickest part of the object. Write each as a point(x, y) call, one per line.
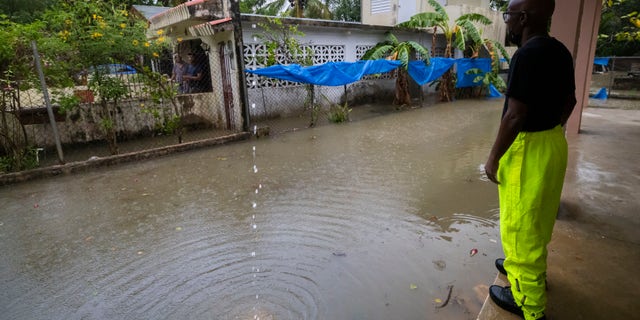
point(524, 18)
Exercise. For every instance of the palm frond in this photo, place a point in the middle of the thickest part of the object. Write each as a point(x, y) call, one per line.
point(503, 51)
point(403, 56)
point(380, 51)
point(391, 38)
point(424, 20)
point(475, 17)
point(439, 9)
point(458, 41)
point(424, 52)
point(471, 31)
point(273, 8)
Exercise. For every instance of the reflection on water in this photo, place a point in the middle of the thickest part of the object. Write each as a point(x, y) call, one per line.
point(368, 220)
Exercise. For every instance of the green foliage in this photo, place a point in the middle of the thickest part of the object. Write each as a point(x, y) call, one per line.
point(66, 102)
point(283, 44)
point(109, 89)
point(393, 49)
point(619, 31)
point(499, 5)
point(462, 34)
point(25, 159)
point(339, 113)
point(341, 10)
point(22, 11)
point(347, 10)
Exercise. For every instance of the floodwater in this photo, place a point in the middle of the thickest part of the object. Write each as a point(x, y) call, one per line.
point(374, 219)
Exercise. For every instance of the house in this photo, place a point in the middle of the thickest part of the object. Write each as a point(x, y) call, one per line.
point(209, 32)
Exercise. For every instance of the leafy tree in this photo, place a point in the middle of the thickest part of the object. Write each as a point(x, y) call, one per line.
point(24, 11)
point(619, 31)
point(315, 9)
point(499, 5)
point(393, 49)
point(456, 35)
point(347, 10)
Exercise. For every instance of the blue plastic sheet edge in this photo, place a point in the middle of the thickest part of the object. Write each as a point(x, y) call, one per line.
point(342, 73)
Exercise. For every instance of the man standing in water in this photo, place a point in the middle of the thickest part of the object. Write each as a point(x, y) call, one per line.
point(529, 156)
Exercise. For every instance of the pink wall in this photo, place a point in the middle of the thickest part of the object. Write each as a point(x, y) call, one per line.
point(575, 23)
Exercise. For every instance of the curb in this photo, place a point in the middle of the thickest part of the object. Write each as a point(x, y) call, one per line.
point(79, 166)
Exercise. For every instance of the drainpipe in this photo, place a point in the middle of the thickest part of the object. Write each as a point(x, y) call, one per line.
point(239, 54)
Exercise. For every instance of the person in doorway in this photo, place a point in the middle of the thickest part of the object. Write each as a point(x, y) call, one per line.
point(529, 156)
point(178, 71)
point(193, 75)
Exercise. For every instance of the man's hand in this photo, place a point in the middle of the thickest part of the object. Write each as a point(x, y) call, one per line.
point(491, 170)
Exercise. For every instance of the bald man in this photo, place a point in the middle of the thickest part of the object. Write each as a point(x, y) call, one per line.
point(529, 156)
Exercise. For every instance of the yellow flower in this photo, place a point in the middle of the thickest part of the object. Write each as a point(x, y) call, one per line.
point(147, 44)
point(123, 25)
point(155, 54)
point(124, 13)
point(160, 32)
point(68, 22)
point(96, 35)
point(135, 42)
point(94, 16)
point(179, 39)
point(160, 40)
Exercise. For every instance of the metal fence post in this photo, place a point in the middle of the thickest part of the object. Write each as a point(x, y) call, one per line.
point(612, 73)
point(47, 102)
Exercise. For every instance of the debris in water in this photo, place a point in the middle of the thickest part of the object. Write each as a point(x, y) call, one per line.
point(446, 301)
point(473, 252)
point(178, 228)
point(339, 254)
point(413, 286)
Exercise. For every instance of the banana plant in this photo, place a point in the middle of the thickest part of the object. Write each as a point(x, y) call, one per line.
point(455, 34)
point(392, 49)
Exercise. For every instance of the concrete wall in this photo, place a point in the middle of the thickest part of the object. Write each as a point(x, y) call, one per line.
point(575, 23)
point(399, 11)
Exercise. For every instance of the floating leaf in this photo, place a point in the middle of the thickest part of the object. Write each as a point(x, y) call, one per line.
point(178, 228)
point(413, 286)
point(438, 300)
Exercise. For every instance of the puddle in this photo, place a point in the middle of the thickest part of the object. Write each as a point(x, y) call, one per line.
point(368, 220)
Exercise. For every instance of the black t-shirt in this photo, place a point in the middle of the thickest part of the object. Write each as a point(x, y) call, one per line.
point(541, 76)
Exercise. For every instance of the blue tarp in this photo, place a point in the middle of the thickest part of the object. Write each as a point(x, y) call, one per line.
point(423, 73)
point(602, 94)
point(493, 92)
point(328, 74)
point(601, 61)
point(341, 73)
point(464, 65)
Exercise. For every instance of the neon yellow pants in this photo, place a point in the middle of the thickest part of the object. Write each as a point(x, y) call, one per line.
point(531, 174)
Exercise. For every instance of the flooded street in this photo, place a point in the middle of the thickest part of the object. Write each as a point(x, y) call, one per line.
point(374, 219)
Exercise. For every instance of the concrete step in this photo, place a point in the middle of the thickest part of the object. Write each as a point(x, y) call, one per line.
point(490, 311)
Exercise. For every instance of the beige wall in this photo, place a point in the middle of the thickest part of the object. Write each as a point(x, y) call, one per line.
point(575, 23)
point(455, 9)
point(475, 3)
point(388, 18)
